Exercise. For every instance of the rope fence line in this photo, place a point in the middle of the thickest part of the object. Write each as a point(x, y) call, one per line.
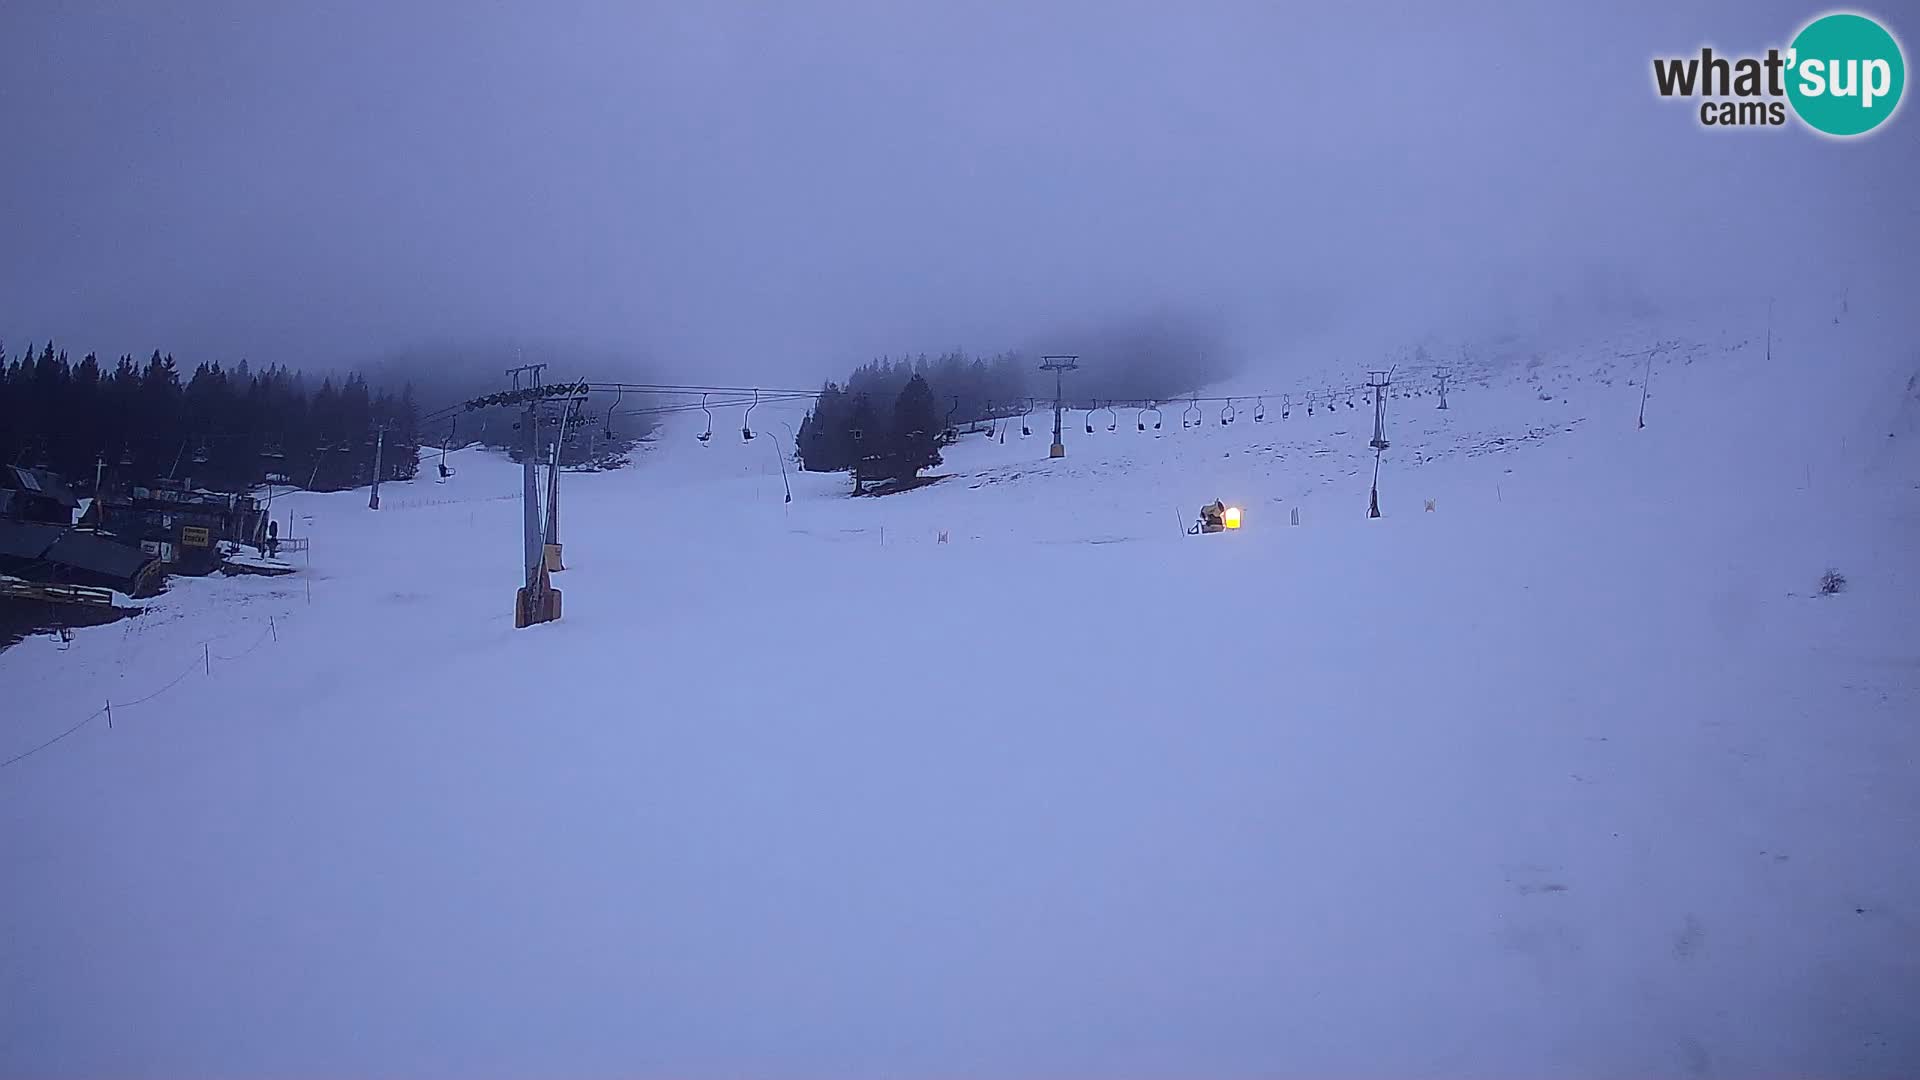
point(203, 664)
point(96, 714)
point(177, 679)
point(421, 504)
point(257, 642)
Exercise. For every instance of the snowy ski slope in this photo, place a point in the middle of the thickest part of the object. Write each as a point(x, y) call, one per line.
point(1573, 775)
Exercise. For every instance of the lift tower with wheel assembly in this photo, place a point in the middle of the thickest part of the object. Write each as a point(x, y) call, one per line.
point(537, 601)
point(1378, 382)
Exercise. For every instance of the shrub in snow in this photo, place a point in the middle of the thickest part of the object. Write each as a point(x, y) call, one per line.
point(1832, 581)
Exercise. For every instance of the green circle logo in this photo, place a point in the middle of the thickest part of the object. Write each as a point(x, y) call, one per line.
point(1845, 74)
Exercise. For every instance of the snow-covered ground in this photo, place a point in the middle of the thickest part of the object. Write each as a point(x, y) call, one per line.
point(1572, 775)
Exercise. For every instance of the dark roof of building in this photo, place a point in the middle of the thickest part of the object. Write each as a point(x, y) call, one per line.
point(99, 555)
point(38, 482)
point(27, 539)
point(59, 545)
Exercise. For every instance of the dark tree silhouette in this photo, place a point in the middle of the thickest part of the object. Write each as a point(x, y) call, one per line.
point(220, 428)
point(916, 430)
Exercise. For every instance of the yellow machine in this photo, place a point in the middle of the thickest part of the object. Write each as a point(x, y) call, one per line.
point(1215, 517)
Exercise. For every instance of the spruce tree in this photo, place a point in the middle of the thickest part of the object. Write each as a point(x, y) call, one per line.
point(867, 441)
point(916, 429)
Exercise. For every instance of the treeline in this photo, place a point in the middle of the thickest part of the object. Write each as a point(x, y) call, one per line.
point(847, 429)
point(225, 429)
point(958, 389)
point(1155, 357)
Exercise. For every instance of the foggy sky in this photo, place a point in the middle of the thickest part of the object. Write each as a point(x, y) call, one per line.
point(758, 190)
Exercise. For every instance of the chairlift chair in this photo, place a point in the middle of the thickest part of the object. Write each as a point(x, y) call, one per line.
point(452, 426)
point(1026, 428)
point(1088, 419)
point(1228, 413)
point(1113, 418)
point(746, 429)
point(1286, 406)
point(1193, 410)
point(706, 435)
point(616, 404)
point(1259, 409)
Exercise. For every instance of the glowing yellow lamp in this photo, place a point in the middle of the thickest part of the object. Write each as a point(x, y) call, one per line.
point(1231, 518)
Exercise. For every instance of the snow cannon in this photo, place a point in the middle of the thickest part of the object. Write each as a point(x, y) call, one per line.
point(1216, 517)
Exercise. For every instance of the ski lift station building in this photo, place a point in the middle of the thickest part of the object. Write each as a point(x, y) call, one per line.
point(182, 525)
